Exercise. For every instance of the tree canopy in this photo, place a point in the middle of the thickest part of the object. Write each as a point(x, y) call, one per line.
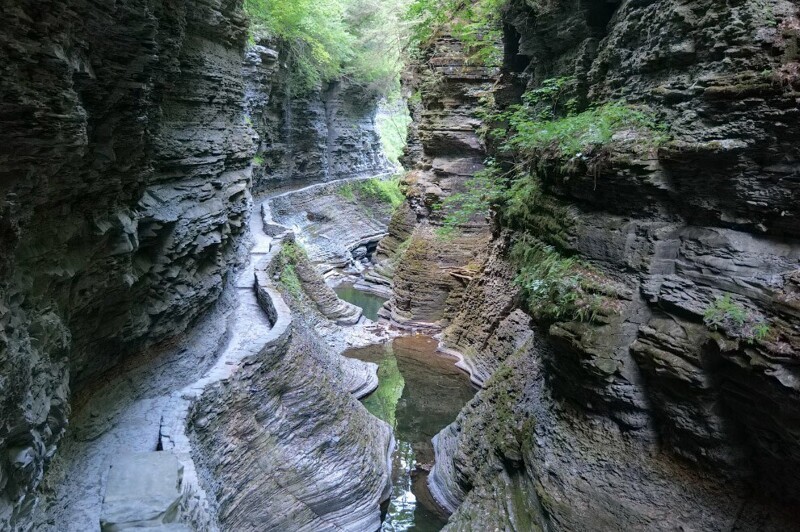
point(358, 40)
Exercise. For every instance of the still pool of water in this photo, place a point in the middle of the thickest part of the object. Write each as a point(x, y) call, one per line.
point(369, 303)
point(419, 393)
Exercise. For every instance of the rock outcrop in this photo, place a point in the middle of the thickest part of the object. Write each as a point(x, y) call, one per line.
point(648, 415)
point(129, 132)
point(282, 444)
point(333, 220)
point(308, 136)
point(125, 187)
point(427, 268)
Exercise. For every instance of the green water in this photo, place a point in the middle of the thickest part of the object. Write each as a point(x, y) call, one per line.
point(420, 393)
point(369, 303)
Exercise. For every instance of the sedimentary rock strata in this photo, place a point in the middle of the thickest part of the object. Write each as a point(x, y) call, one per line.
point(128, 136)
point(647, 394)
point(307, 136)
point(125, 191)
point(444, 151)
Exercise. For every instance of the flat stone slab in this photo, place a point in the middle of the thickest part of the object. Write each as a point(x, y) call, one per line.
point(143, 491)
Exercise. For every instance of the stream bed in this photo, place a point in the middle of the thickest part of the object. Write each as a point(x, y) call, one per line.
point(420, 392)
point(369, 303)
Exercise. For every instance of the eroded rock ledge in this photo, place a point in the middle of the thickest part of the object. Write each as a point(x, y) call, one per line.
point(282, 444)
point(644, 417)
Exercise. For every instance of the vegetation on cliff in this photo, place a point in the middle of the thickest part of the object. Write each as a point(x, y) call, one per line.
point(545, 127)
point(477, 24)
point(375, 189)
point(357, 40)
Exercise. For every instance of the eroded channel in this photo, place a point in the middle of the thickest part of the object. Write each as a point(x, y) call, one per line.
point(420, 392)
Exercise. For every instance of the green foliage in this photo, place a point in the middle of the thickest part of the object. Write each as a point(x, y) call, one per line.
point(290, 281)
point(575, 133)
point(555, 287)
point(392, 123)
point(724, 313)
point(384, 190)
point(258, 160)
point(478, 24)
point(480, 192)
point(527, 208)
point(291, 252)
point(347, 191)
point(330, 39)
point(548, 120)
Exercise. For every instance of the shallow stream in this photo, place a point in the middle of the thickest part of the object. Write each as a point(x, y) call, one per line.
point(369, 303)
point(420, 392)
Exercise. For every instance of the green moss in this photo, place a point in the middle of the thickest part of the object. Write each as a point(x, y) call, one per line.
point(480, 192)
point(385, 190)
point(290, 254)
point(347, 191)
point(376, 189)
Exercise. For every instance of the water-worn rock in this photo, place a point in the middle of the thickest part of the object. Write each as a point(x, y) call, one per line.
point(124, 159)
point(309, 136)
point(646, 409)
point(282, 445)
point(144, 490)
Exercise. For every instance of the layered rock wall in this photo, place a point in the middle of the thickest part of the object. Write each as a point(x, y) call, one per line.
point(431, 269)
point(125, 184)
point(308, 136)
point(621, 420)
point(282, 444)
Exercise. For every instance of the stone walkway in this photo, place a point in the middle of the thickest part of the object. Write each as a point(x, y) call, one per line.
point(147, 405)
point(144, 406)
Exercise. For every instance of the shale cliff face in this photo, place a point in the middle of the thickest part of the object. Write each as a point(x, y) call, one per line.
point(128, 132)
point(444, 151)
point(308, 136)
point(125, 176)
point(644, 417)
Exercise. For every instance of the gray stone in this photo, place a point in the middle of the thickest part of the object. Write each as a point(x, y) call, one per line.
point(143, 491)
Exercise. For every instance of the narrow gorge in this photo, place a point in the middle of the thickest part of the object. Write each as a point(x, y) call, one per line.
point(498, 265)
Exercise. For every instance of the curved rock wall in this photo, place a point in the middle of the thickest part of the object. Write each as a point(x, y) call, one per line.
point(125, 176)
point(620, 422)
point(268, 462)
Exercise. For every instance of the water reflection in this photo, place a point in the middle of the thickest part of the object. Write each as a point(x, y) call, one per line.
point(369, 303)
point(420, 392)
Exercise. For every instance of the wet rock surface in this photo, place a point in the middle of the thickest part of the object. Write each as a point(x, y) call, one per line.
point(646, 417)
point(124, 199)
point(311, 136)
